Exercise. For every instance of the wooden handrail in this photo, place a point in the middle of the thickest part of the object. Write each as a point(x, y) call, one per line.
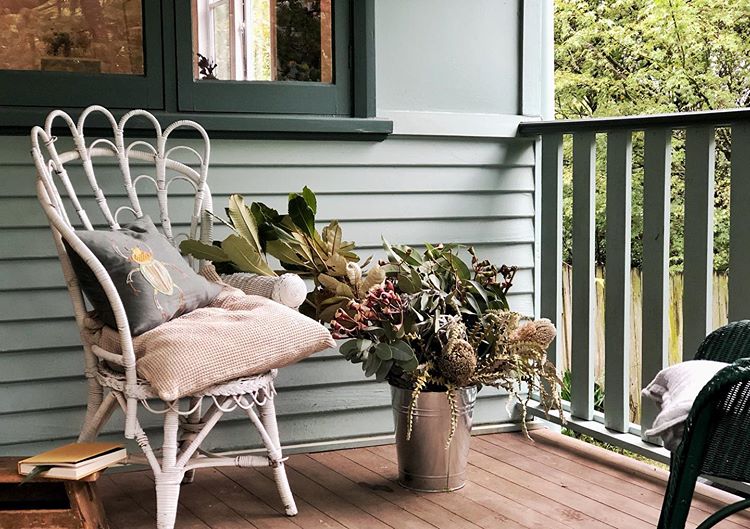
point(676, 120)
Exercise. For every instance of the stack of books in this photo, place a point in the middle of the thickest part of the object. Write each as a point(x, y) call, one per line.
point(73, 461)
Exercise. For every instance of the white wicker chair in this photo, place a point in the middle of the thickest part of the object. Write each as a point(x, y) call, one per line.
point(184, 429)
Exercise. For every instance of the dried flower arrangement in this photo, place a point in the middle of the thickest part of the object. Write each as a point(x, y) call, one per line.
point(422, 322)
point(436, 324)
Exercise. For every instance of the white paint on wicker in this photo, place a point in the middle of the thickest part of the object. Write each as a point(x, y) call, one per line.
point(184, 430)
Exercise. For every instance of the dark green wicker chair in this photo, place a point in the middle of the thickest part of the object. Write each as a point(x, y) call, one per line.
point(717, 432)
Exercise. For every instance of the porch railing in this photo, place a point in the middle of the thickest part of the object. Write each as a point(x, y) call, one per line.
point(613, 425)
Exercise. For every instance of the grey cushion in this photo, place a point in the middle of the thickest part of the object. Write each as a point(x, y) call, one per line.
point(153, 280)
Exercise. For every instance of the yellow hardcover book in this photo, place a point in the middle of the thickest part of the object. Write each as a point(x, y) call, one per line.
point(74, 461)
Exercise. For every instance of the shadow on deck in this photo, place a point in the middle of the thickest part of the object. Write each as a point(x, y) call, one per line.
point(513, 483)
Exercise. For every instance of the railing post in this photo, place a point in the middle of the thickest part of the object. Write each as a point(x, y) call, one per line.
point(657, 165)
point(739, 224)
point(617, 282)
point(551, 238)
point(697, 309)
point(582, 328)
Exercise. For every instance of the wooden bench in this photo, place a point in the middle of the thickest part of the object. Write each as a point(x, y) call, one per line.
point(48, 503)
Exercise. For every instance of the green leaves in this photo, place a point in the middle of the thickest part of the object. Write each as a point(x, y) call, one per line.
point(201, 250)
point(245, 257)
point(309, 197)
point(243, 220)
point(302, 214)
point(379, 358)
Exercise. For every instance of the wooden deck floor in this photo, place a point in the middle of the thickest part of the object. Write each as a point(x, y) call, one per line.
point(554, 482)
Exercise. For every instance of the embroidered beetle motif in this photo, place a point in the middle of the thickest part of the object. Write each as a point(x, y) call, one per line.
point(154, 272)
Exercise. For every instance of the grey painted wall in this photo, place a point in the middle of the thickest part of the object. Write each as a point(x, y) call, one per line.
point(447, 56)
point(454, 187)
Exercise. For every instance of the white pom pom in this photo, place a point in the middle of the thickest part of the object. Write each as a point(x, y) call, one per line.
point(289, 290)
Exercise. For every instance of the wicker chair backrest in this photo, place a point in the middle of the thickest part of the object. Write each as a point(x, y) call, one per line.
point(725, 452)
point(726, 344)
point(155, 158)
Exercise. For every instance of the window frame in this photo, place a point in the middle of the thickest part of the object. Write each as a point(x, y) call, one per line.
point(162, 98)
point(73, 89)
point(266, 97)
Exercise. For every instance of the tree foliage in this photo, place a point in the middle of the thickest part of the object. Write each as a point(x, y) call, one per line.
point(628, 57)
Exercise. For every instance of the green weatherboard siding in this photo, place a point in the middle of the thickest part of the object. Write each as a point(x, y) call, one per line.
point(408, 189)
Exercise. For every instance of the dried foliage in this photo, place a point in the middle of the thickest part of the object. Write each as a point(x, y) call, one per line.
point(438, 324)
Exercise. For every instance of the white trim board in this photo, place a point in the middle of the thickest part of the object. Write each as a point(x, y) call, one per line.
point(464, 124)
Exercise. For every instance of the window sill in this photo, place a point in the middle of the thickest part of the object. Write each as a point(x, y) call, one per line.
point(19, 121)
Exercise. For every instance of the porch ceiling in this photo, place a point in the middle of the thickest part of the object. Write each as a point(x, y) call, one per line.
point(513, 483)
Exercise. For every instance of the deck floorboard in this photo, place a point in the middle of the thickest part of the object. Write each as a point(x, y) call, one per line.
point(514, 483)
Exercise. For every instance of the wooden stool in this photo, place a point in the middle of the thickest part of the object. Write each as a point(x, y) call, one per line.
point(48, 503)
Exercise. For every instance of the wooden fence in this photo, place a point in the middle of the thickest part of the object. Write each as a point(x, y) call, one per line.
point(720, 310)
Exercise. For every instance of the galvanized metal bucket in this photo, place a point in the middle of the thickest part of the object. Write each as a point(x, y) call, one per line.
point(424, 462)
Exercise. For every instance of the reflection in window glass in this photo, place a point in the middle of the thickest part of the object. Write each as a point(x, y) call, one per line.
point(90, 36)
point(220, 35)
point(266, 40)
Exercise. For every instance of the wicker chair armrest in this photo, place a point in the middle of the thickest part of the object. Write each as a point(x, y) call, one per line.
point(717, 387)
point(287, 289)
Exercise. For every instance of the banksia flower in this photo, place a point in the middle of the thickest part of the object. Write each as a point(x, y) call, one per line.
point(540, 332)
point(545, 332)
point(457, 362)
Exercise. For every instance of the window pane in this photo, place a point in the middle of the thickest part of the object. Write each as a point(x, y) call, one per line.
point(83, 36)
point(267, 40)
point(221, 31)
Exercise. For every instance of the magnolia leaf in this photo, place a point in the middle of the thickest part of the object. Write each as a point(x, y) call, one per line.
point(284, 253)
point(334, 299)
point(243, 220)
point(336, 264)
point(331, 235)
point(201, 250)
point(375, 276)
point(245, 257)
point(329, 313)
point(309, 197)
point(331, 283)
point(303, 248)
point(302, 215)
point(344, 290)
point(263, 213)
point(225, 223)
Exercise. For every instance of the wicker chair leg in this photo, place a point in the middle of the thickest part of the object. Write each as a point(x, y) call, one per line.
point(679, 494)
point(187, 436)
point(169, 478)
point(268, 419)
point(96, 420)
point(167, 496)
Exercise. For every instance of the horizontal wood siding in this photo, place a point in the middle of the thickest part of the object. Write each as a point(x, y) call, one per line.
point(409, 190)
